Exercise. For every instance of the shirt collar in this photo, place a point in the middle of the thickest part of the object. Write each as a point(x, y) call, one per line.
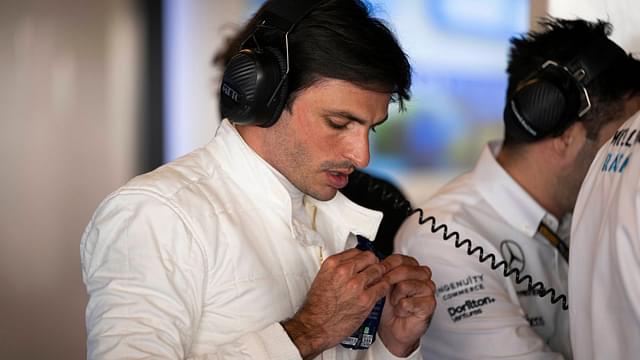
point(506, 196)
point(340, 217)
point(336, 218)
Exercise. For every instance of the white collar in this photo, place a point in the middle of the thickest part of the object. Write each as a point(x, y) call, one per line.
point(506, 196)
point(253, 174)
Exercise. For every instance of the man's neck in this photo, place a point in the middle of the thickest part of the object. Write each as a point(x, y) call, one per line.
point(535, 176)
point(254, 138)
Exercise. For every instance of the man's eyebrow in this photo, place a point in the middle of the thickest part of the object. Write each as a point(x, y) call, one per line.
point(349, 116)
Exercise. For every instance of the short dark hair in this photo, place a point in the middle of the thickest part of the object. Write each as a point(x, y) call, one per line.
point(561, 40)
point(338, 39)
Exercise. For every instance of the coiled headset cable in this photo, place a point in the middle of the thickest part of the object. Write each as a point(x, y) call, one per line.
point(389, 196)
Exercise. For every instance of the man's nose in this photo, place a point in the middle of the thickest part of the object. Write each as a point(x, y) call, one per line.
point(358, 152)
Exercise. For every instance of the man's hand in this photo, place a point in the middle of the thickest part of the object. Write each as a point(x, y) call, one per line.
point(408, 309)
point(341, 297)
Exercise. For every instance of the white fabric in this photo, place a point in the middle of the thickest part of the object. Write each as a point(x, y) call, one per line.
point(604, 279)
point(480, 313)
point(201, 259)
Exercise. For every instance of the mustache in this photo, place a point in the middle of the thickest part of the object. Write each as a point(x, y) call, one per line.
point(337, 165)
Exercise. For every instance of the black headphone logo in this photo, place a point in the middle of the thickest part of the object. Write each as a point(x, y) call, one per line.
point(551, 98)
point(254, 84)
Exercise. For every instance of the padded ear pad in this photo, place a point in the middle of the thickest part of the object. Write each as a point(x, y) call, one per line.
point(249, 82)
point(544, 105)
point(280, 98)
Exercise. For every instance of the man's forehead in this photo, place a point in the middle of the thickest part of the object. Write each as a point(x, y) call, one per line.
point(327, 82)
point(347, 100)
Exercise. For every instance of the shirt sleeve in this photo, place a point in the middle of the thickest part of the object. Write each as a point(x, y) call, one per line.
point(378, 351)
point(478, 315)
point(146, 277)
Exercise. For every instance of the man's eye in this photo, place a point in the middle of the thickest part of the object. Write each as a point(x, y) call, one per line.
point(336, 125)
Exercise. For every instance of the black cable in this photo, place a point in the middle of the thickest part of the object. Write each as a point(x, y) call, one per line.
point(403, 205)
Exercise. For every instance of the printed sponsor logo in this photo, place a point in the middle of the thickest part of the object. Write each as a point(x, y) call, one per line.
point(512, 254)
point(625, 137)
point(460, 287)
point(470, 308)
point(615, 162)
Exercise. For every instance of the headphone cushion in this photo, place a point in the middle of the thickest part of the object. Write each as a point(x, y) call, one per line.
point(275, 109)
point(239, 88)
point(249, 82)
point(548, 103)
point(542, 104)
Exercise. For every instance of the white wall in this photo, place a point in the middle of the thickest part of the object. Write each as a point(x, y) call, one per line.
point(68, 119)
point(194, 31)
point(623, 14)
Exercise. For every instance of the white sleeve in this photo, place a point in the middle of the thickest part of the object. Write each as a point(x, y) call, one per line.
point(477, 315)
point(378, 351)
point(146, 278)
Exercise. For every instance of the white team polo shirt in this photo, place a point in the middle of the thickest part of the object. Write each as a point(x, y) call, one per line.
point(604, 281)
point(480, 313)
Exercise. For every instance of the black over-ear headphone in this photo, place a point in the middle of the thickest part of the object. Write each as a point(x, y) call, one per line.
point(553, 96)
point(254, 85)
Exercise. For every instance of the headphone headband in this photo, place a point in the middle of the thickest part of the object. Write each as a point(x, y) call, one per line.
point(286, 14)
point(594, 59)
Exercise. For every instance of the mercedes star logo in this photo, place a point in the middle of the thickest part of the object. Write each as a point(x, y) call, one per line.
point(512, 254)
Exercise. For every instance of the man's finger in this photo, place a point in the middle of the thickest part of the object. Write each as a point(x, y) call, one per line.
point(378, 290)
point(403, 273)
point(395, 260)
point(363, 260)
point(420, 307)
point(411, 288)
point(371, 274)
point(353, 259)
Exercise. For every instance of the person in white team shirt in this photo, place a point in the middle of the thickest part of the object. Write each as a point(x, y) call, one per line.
point(604, 286)
point(516, 202)
point(243, 249)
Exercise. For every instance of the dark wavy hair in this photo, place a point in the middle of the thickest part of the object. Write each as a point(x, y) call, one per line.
point(561, 40)
point(338, 39)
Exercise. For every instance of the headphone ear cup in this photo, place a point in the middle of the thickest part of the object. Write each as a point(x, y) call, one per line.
point(544, 105)
point(239, 87)
point(249, 81)
point(274, 109)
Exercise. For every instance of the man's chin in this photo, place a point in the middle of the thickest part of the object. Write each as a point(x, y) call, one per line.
point(325, 195)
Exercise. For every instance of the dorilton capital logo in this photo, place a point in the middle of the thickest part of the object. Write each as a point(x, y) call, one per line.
point(470, 308)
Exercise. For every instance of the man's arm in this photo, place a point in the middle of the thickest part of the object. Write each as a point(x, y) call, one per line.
point(145, 274)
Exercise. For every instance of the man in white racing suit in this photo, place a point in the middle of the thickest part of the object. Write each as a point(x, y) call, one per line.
point(603, 286)
point(515, 204)
point(244, 248)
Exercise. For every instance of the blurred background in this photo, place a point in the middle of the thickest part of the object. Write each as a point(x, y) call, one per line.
point(95, 92)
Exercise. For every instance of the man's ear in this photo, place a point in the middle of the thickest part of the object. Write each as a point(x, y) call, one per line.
point(567, 146)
